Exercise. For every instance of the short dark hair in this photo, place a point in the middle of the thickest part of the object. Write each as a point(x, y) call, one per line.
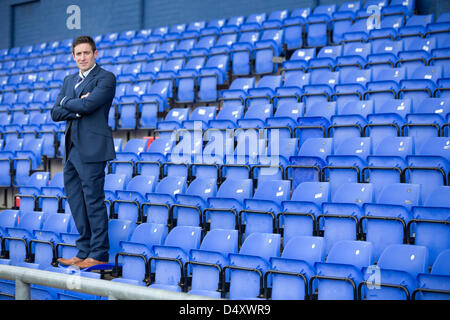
point(83, 39)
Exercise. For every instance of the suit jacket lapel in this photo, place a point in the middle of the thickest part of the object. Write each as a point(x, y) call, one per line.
point(86, 81)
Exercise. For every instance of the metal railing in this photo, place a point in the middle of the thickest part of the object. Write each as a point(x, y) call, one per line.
point(105, 288)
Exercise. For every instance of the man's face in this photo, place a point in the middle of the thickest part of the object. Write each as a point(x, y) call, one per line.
point(84, 56)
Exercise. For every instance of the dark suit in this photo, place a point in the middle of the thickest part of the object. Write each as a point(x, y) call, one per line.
point(89, 144)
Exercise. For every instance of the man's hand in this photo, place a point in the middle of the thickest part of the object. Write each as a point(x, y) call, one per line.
point(83, 96)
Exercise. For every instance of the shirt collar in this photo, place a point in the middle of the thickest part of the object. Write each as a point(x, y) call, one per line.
point(85, 74)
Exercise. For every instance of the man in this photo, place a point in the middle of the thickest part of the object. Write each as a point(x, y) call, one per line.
point(84, 102)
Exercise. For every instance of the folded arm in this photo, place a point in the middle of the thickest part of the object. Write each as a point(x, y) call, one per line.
point(100, 95)
point(59, 113)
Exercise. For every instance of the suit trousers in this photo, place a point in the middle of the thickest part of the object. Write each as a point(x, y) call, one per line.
point(84, 187)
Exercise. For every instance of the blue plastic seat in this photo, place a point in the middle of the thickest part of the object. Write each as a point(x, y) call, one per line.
point(245, 273)
point(125, 160)
point(420, 83)
point(339, 276)
point(301, 12)
point(325, 58)
point(8, 219)
point(113, 183)
point(256, 116)
point(157, 207)
point(173, 119)
point(118, 142)
point(438, 32)
point(158, 152)
point(294, 81)
point(400, 7)
point(237, 91)
point(186, 86)
point(415, 25)
point(321, 87)
point(43, 246)
point(28, 159)
point(440, 57)
point(212, 75)
point(169, 259)
point(396, 273)
point(307, 164)
point(219, 144)
point(242, 53)
point(266, 49)
point(358, 31)
point(148, 68)
point(66, 248)
point(351, 118)
point(157, 95)
point(52, 194)
point(347, 161)
point(289, 275)
point(315, 121)
point(391, 22)
point(388, 160)
point(387, 120)
point(342, 19)
point(128, 203)
point(129, 71)
point(259, 214)
point(299, 213)
point(354, 56)
point(279, 151)
point(31, 189)
point(293, 28)
point(429, 166)
point(428, 223)
point(385, 83)
point(285, 116)
point(249, 147)
point(119, 230)
point(190, 205)
point(128, 104)
point(352, 85)
point(188, 149)
point(436, 284)
point(317, 25)
point(17, 241)
point(337, 225)
point(225, 206)
point(385, 221)
point(264, 91)
point(227, 117)
point(136, 252)
point(207, 262)
point(200, 118)
point(426, 120)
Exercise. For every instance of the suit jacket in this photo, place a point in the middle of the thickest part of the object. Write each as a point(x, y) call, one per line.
point(90, 132)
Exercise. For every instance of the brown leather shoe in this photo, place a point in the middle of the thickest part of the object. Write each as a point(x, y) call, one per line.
point(89, 262)
point(69, 262)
